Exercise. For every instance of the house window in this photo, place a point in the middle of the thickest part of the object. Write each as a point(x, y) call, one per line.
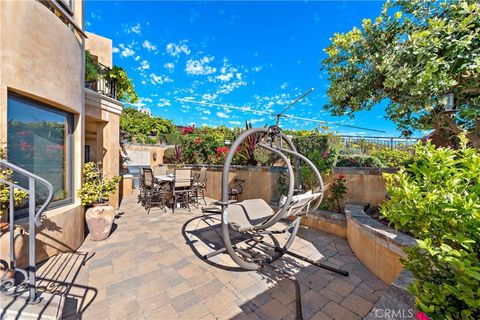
point(40, 140)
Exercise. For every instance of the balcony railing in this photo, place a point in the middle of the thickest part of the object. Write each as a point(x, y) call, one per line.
point(8, 282)
point(103, 84)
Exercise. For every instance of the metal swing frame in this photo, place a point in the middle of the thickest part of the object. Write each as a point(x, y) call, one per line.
point(242, 258)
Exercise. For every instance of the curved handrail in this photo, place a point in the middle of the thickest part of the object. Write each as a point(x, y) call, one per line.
point(37, 178)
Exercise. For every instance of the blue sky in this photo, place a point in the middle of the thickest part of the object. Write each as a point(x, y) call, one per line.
point(261, 55)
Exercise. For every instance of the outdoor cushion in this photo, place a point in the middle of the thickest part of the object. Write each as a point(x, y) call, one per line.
point(244, 215)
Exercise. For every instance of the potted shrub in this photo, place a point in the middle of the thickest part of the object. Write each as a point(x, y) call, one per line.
point(94, 195)
point(20, 237)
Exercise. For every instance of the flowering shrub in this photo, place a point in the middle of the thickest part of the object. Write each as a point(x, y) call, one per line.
point(188, 130)
point(437, 199)
point(337, 190)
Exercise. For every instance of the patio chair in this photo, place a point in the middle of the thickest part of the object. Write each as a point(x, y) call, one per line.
point(160, 170)
point(182, 188)
point(236, 189)
point(153, 193)
point(200, 185)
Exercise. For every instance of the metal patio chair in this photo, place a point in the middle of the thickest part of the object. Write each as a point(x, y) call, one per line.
point(182, 188)
point(154, 194)
point(200, 185)
point(236, 189)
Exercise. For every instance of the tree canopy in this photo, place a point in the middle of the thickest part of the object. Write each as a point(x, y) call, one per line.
point(413, 55)
point(141, 127)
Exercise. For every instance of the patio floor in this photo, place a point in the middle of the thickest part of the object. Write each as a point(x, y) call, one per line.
point(150, 268)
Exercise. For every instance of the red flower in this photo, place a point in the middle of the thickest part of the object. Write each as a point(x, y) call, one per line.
point(188, 130)
point(341, 176)
point(24, 145)
point(197, 141)
point(421, 316)
point(222, 151)
point(23, 133)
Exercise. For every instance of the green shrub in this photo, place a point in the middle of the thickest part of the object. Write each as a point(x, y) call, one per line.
point(392, 158)
point(95, 188)
point(437, 199)
point(18, 195)
point(359, 161)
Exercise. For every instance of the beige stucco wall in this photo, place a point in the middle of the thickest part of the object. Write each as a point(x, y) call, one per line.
point(41, 58)
point(259, 182)
point(100, 47)
point(156, 152)
point(103, 134)
point(362, 187)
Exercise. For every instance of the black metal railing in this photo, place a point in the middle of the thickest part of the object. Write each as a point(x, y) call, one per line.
point(103, 84)
point(8, 283)
point(380, 142)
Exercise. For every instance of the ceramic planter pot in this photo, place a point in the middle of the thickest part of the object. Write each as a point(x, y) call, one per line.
point(20, 240)
point(99, 221)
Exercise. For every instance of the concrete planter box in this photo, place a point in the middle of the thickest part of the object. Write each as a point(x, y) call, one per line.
point(378, 247)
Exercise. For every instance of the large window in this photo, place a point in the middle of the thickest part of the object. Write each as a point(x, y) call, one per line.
point(40, 141)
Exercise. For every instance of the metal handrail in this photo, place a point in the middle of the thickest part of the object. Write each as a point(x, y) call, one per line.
point(34, 220)
point(49, 186)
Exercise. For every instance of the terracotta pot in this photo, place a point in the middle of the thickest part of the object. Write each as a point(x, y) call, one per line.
point(20, 239)
point(99, 220)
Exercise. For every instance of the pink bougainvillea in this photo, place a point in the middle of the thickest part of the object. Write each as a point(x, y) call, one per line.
point(421, 316)
point(188, 130)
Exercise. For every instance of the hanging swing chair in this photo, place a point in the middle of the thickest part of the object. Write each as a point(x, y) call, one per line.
point(254, 218)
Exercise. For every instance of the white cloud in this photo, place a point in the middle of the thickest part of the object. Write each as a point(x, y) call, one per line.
point(209, 97)
point(253, 121)
point(162, 102)
point(200, 66)
point(126, 51)
point(115, 50)
point(144, 65)
point(175, 49)
point(222, 115)
point(135, 29)
point(206, 111)
point(237, 123)
point(229, 87)
point(161, 79)
point(149, 46)
point(169, 66)
point(137, 58)
point(204, 118)
point(284, 85)
point(225, 77)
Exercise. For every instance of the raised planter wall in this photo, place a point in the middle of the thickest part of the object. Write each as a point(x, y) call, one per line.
point(378, 247)
point(364, 184)
point(260, 182)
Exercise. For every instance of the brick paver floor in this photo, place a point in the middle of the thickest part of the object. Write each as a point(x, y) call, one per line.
point(151, 268)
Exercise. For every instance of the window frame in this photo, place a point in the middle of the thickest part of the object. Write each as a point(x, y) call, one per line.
point(69, 143)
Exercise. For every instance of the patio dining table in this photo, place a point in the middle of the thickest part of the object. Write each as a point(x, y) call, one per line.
point(165, 178)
